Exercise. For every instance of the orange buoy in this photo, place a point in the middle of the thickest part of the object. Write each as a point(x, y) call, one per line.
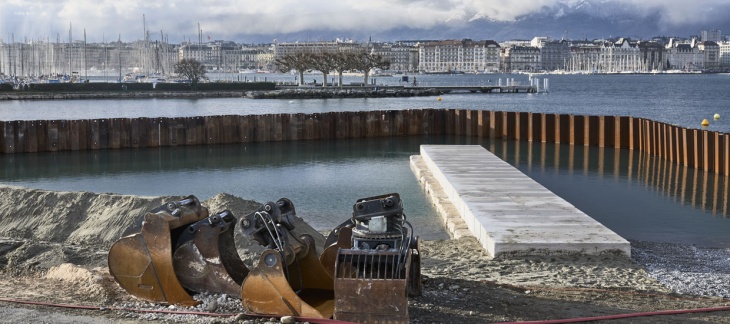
point(705, 123)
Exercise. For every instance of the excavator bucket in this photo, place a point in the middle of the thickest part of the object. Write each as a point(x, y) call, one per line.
point(376, 263)
point(328, 259)
point(307, 292)
point(289, 278)
point(371, 287)
point(142, 262)
point(206, 259)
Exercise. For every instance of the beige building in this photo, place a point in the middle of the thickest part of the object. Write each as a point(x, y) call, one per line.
point(458, 56)
point(520, 59)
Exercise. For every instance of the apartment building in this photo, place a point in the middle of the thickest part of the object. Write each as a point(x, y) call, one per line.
point(520, 59)
point(684, 56)
point(724, 55)
point(711, 51)
point(554, 55)
point(652, 56)
point(458, 56)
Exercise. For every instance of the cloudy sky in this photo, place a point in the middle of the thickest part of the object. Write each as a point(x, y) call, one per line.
point(234, 19)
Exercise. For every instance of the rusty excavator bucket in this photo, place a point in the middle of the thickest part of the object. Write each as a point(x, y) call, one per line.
point(206, 259)
point(375, 262)
point(289, 279)
point(142, 261)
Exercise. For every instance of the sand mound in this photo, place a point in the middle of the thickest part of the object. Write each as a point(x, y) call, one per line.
point(85, 281)
point(40, 229)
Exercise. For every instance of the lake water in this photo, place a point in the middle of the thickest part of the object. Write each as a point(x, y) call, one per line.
point(637, 196)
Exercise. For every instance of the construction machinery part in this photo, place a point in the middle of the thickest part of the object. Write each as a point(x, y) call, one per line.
point(370, 287)
point(289, 278)
point(206, 259)
point(374, 277)
point(141, 262)
point(328, 259)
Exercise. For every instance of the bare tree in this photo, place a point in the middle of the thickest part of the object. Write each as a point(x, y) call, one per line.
point(365, 62)
point(191, 69)
point(324, 62)
point(342, 61)
point(298, 61)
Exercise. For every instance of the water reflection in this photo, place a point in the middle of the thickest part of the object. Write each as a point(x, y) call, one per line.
point(638, 196)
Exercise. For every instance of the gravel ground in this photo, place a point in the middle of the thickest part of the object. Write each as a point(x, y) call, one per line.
point(686, 269)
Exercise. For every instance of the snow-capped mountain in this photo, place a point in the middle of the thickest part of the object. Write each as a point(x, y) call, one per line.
point(571, 19)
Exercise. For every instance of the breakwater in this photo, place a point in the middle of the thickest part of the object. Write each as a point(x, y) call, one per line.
point(697, 148)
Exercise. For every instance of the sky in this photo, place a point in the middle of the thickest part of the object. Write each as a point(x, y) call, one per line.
point(178, 20)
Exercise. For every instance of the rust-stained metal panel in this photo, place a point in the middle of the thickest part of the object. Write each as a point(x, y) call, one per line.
point(371, 287)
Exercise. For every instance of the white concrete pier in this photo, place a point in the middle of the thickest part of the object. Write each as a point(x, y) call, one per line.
point(507, 211)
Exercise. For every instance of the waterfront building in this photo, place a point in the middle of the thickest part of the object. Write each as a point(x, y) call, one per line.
point(724, 52)
point(652, 56)
point(620, 56)
point(584, 57)
point(218, 55)
point(458, 56)
point(516, 58)
point(402, 57)
point(257, 58)
point(283, 49)
point(554, 55)
point(684, 56)
point(711, 53)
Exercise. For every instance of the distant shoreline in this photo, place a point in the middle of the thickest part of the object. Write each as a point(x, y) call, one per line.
point(291, 93)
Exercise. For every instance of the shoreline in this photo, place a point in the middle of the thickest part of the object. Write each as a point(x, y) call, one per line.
point(282, 93)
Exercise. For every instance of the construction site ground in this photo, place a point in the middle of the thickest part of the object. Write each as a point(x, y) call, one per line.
point(462, 285)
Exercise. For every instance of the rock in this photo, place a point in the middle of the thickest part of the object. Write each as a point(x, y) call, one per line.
point(288, 320)
point(211, 306)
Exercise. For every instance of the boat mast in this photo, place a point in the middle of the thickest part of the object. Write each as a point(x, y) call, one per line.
point(86, 73)
point(13, 57)
point(2, 50)
point(119, 56)
point(70, 41)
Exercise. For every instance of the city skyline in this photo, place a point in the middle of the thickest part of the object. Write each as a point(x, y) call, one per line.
point(254, 21)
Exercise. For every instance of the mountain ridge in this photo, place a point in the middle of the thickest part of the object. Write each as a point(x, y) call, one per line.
point(571, 19)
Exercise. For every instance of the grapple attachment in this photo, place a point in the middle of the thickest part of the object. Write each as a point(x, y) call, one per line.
point(142, 262)
point(289, 279)
point(380, 267)
point(206, 259)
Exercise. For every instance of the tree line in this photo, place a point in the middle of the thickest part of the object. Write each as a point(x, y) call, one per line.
point(326, 62)
point(303, 61)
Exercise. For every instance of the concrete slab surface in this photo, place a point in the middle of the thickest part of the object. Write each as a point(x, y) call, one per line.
point(507, 211)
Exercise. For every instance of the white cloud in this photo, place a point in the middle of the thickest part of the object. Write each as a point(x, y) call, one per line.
point(223, 19)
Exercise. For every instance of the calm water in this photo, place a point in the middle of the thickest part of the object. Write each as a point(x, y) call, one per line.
point(637, 196)
point(677, 99)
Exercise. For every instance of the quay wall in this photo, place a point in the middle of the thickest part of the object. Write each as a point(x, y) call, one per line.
point(697, 148)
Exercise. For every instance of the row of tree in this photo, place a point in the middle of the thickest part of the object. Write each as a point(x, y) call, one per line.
point(326, 62)
point(302, 61)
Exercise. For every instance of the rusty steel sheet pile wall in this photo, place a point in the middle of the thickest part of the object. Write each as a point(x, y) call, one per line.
point(701, 149)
